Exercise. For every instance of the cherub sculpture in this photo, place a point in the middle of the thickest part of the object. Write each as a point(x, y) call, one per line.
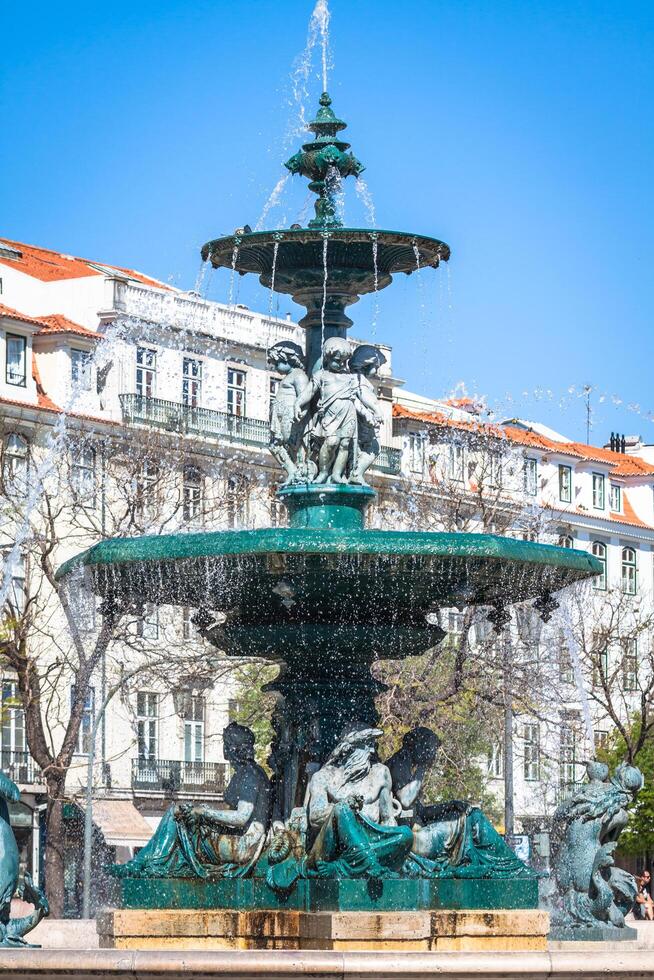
point(589, 890)
point(285, 432)
point(365, 363)
point(13, 930)
point(339, 406)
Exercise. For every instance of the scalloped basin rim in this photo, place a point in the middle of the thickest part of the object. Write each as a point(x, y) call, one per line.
point(170, 547)
point(316, 234)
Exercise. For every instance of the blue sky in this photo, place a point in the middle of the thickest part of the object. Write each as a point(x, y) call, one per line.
point(517, 131)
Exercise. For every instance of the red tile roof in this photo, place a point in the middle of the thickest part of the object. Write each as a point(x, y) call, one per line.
point(21, 317)
point(620, 464)
point(53, 323)
point(56, 323)
point(50, 266)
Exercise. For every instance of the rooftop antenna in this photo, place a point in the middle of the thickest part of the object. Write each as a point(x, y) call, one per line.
point(587, 393)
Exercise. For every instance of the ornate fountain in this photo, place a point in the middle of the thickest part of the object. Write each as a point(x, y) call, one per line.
point(335, 829)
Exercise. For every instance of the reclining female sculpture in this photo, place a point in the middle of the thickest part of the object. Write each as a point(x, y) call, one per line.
point(203, 842)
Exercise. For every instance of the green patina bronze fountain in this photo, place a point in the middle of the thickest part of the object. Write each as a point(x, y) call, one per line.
point(324, 597)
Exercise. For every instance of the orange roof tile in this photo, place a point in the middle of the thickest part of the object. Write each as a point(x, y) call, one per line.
point(56, 323)
point(620, 464)
point(50, 266)
point(15, 315)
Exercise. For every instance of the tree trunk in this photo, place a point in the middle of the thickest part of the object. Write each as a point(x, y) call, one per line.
point(55, 849)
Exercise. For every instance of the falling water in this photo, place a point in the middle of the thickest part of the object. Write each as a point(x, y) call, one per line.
point(324, 291)
point(318, 30)
point(232, 276)
point(375, 267)
point(272, 280)
point(363, 192)
point(573, 648)
point(272, 201)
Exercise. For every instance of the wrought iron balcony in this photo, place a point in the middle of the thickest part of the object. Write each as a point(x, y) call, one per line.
point(20, 766)
point(186, 420)
point(565, 791)
point(173, 776)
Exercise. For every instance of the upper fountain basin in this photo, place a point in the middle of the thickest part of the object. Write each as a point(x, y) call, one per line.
point(328, 575)
point(300, 256)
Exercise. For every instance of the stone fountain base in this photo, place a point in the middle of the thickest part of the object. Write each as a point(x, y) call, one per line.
point(440, 931)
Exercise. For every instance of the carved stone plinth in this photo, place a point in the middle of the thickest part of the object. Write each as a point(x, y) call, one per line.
point(463, 930)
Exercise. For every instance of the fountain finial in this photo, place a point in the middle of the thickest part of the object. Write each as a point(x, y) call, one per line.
point(325, 162)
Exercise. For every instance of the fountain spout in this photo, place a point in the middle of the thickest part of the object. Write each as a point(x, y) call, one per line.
point(325, 162)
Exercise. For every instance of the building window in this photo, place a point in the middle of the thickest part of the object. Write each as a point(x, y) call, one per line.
point(272, 392)
point(15, 464)
point(457, 462)
point(146, 487)
point(629, 571)
point(236, 391)
point(16, 370)
point(147, 625)
point(237, 502)
point(568, 755)
point(192, 494)
point(529, 536)
point(630, 664)
point(416, 444)
point(147, 724)
point(599, 552)
point(17, 595)
point(601, 740)
point(566, 668)
point(615, 500)
point(600, 659)
point(146, 372)
point(13, 726)
point(598, 491)
point(565, 484)
point(495, 475)
point(566, 541)
point(80, 369)
point(83, 474)
point(496, 761)
point(194, 729)
point(192, 382)
point(531, 477)
point(84, 735)
point(531, 739)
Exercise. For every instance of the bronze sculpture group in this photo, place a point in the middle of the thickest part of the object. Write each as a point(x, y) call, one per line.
point(324, 427)
point(360, 818)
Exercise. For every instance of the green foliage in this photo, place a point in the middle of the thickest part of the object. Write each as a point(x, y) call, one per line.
point(638, 836)
point(419, 694)
point(253, 706)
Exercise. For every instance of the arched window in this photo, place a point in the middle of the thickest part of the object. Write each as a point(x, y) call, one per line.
point(599, 552)
point(14, 463)
point(629, 571)
point(566, 541)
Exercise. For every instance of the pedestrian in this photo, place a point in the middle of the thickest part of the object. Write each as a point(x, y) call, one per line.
point(643, 906)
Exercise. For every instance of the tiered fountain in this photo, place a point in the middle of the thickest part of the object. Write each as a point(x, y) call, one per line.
point(335, 830)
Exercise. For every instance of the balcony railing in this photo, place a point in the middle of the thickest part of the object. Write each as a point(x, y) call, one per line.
point(565, 791)
point(186, 420)
point(173, 776)
point(19, 766)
